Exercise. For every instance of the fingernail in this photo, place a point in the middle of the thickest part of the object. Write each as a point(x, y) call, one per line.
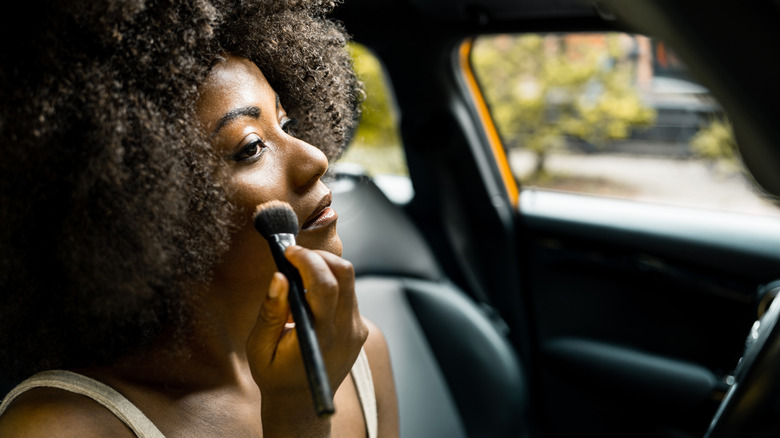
point(275, 289)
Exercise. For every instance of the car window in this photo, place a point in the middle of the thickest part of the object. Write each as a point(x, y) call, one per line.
point(611, 114)
point(376, 148)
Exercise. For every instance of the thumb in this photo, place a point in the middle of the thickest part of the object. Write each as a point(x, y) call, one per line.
point(270, 325)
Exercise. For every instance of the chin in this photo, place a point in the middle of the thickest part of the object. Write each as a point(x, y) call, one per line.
point(334, 244)
point(328, 241)
point(337, 248)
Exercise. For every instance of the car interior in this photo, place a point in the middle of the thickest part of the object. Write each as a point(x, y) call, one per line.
point(513, 311)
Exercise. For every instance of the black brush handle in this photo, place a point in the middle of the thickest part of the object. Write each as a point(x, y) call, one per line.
point(319, 384)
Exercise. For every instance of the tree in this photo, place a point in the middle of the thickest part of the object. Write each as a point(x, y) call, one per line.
point(544, 90)
point(377, 124)
point(716, 144)
point(376, 145)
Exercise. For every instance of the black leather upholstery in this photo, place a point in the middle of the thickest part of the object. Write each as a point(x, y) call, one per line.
point(379, 238)
point(456, 374)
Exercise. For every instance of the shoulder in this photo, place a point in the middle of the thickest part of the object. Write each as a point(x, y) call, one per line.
point(376, 346)
point(50, 412)
point(384, 384)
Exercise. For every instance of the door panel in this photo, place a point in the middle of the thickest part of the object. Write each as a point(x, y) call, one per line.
point(640, 311)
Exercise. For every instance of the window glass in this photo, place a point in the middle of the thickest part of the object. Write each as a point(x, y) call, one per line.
point(376, 147)
point(611, 114)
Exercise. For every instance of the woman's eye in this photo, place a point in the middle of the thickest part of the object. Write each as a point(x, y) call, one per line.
point(252, 151)
point(288, 124)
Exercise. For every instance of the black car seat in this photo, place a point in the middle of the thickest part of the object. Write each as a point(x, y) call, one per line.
point(455, 372)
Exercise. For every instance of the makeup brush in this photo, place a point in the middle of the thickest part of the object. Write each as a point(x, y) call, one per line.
point(277, 223)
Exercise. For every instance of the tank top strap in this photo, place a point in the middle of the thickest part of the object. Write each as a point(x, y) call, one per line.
point(364, 383)
point(100, 392)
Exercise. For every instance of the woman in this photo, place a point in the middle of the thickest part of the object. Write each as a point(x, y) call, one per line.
point(139, 139)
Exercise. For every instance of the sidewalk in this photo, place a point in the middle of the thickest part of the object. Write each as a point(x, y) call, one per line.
point(685, 182)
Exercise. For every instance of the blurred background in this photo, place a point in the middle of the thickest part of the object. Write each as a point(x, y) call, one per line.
point(607, 114)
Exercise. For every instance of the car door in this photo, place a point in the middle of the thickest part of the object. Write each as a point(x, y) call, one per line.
point(638, 311)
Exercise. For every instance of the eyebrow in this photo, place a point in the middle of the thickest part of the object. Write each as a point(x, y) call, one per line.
point(246, 111)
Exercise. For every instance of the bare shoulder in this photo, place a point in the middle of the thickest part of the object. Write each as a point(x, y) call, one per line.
point(378, 354)
point(384, 384)
point(376, 345)
point(49, 412)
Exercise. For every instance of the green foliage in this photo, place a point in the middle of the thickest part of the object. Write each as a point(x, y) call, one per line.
point(378, 125)
point(542, 91)
point(376, 145)
point(716, 142)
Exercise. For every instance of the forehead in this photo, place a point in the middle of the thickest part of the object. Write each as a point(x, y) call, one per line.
point(233, 83)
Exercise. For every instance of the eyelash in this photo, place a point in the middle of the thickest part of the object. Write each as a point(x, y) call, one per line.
point(246, 154)
point(287, 125)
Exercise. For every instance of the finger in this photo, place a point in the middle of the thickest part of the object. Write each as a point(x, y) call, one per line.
point(270, 326)
point(319, 281)
point(345, 275)
point(348, 321)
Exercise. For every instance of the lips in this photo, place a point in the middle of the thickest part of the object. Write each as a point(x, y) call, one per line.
point(322, 216)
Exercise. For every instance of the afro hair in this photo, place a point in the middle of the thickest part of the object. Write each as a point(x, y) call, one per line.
point(110, 201)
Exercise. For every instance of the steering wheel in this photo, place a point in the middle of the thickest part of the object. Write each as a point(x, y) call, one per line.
point(745, 410)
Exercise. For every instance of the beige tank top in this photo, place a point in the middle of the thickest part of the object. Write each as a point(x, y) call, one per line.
point(141, 425)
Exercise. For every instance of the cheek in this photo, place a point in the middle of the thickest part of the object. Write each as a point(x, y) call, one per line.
point(247, 265)
point(248, 255)
point(247, 190)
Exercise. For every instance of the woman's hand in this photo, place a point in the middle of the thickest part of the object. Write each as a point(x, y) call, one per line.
point(273, 350)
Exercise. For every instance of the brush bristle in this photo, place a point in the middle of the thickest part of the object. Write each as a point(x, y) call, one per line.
point(275, 217)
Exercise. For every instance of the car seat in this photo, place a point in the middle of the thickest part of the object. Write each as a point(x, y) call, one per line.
point(456, 373)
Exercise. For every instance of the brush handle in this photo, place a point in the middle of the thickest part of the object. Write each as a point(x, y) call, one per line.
point(319, 384)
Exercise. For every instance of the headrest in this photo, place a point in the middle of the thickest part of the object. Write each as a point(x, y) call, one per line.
point(378, 237)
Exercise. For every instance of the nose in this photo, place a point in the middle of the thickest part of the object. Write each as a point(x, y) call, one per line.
point(306, 165)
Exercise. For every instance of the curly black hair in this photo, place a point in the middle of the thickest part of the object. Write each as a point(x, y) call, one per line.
point(110, 201)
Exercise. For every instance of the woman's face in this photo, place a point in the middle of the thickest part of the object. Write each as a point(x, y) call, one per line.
point(248, 127)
